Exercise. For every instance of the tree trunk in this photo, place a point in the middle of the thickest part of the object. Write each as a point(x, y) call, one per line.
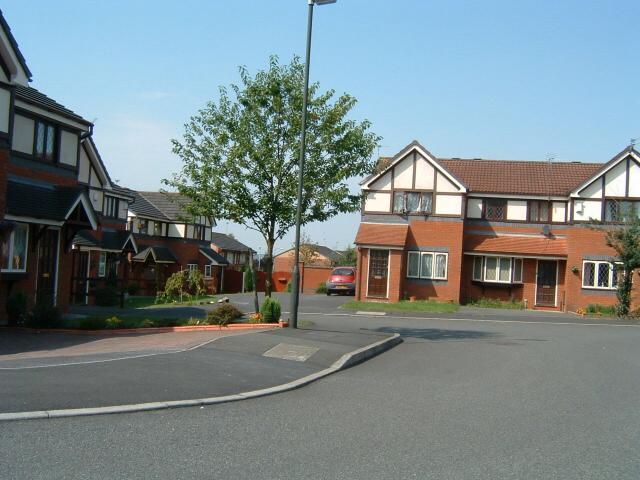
point(268, 268)
point(255, 288)
point(624, 294)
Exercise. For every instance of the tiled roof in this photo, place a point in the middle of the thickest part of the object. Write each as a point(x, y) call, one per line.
point(166, 206)
point(158, 253)
point(214, 256)
point(326, 252)
point(520, 177)
point(544, 246)
point(31, 95)
point(379, 234)
point(48, 202)
point(14, 44)
point(226, 242)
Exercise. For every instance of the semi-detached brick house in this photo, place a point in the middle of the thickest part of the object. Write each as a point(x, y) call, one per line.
point(53, 190)
point(456, 229)
point(169, 239)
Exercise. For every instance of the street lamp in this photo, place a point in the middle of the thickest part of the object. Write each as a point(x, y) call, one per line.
point(295, 280)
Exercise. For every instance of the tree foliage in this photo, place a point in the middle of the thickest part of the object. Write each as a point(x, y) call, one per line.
point(348, 258)
point(625, 240)
point(308, 250)
point(240, 154)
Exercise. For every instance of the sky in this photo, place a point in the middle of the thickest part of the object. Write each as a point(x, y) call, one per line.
point(480, 79)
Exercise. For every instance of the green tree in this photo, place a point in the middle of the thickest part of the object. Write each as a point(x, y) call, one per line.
point(348, 258)
point(240, 154)
point(625, 240)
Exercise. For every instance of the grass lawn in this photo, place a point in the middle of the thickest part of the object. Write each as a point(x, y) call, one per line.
point(403, 306)
point(150, 302)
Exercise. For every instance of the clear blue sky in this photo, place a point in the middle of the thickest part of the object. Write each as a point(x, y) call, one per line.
point(493, 79)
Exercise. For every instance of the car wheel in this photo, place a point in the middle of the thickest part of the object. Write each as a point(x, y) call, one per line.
point(328, 293)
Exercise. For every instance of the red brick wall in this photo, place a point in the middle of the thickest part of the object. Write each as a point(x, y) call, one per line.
point(584, 241)
point(435, 234)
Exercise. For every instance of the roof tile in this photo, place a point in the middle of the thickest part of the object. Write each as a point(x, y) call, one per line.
point(380, 234)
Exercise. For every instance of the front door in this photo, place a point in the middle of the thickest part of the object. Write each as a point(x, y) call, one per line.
point(47, 267)
point(546, 283)
point(81, 278)
point(378, 272)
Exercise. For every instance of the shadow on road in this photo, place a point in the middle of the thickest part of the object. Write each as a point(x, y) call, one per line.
point(438, 334)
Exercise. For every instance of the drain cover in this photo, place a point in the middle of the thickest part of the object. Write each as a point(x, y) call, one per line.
point(297, 353)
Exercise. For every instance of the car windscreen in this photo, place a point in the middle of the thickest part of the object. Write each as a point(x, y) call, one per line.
point(342, 271)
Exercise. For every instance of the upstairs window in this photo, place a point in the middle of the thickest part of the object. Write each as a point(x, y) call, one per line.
point(621, 210)
point(538, 210)
point(495, 209)
point(158, 229)
point(111, 207)
point(198, 232)
point(143, 226)
point(45, 141)
point(13, 250)
point(412, 202)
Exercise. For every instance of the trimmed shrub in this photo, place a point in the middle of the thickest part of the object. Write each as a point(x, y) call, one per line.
point(223, 315)
point(113, 322)
point(597, 309)
point(270, 310)
point(17, 307)
point(106, 296)
point(133, 288)
point(322, 287)
point(248, 279)
point(44, 315)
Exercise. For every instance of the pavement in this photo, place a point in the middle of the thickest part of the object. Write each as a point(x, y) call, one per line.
point(51, 372)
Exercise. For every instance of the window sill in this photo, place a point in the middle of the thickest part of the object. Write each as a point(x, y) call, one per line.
point(601, 289)
point(497, 284)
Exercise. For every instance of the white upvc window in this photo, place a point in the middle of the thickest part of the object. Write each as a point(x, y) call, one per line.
point(429, 265)
point(102, 264)
point(13, 249)
point(192, 266)
point(602, 275)
point(492, 269)
point(207, 271)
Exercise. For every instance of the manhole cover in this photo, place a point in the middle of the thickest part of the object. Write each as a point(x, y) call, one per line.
point(297, 353)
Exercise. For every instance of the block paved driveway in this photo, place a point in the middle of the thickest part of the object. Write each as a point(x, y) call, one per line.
point(22, 349)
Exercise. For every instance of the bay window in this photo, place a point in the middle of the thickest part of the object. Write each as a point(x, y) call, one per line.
point(492, 269)
point(13, 250)
point(601, 274)
point(428, 265)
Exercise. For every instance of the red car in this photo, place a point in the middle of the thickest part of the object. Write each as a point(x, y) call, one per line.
point(342, 280)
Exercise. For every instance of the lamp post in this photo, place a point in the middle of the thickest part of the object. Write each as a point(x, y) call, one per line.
point(295, 280)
